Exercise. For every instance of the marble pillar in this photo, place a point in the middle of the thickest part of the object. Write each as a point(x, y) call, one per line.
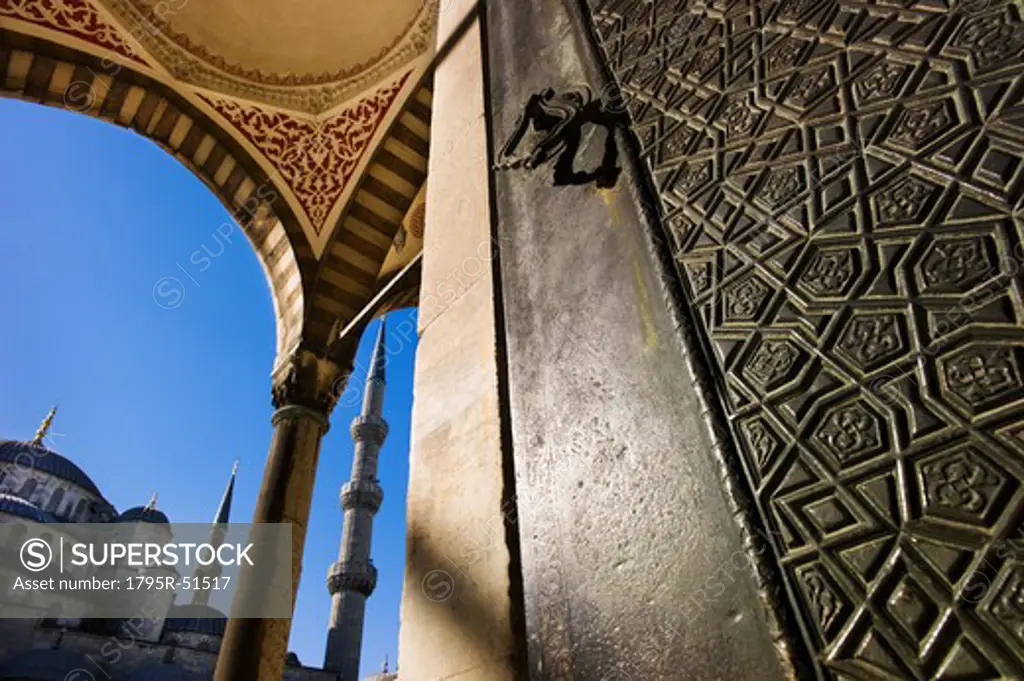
point(305, 390)
point(458, 618)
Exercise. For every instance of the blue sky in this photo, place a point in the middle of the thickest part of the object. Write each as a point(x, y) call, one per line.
point(165, 400)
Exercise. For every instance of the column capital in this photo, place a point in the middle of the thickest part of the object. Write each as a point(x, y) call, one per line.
point(306, 379)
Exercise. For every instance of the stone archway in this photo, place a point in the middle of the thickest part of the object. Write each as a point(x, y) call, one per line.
point(45, 73)
point(319, 171)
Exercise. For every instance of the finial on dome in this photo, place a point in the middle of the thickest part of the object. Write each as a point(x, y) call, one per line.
point(44, 428)
point(151, 506)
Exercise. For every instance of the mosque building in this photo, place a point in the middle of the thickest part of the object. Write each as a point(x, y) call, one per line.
point(720, 335)
point(40, 486)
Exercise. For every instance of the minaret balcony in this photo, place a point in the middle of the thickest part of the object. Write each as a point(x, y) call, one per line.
point(352, 576)
point(369, 427)
point(361, 494)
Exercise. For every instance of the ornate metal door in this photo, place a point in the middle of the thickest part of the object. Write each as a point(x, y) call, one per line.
point(842, 184)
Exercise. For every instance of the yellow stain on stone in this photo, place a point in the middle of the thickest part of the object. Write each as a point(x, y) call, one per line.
point(610, 197)
point(644, 305)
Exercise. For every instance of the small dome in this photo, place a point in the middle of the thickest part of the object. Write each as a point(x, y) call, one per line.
point(196, 619)
point(43, 665)
point(42, 459)
point(198, 611)
point(143, 514)
point(165, 672)
point(24, 509)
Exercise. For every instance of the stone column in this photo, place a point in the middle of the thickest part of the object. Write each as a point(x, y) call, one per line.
point(305, 390)
point(458, 617)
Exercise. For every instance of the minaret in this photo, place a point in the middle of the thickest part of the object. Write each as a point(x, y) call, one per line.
point(201, 595)
point(352, 579)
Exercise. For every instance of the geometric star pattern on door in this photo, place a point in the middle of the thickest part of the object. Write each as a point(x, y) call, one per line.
point(841, 184)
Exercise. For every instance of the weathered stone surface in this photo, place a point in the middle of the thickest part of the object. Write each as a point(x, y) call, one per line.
point(455, 603)
point(457, 240)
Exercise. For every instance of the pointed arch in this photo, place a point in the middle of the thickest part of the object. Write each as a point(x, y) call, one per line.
point(36, 70)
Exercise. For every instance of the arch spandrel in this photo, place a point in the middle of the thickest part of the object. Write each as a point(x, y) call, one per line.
point(370, 244)
point(318, 170)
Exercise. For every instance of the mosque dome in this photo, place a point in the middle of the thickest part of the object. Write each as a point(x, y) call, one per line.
point(43, 665)
point(37, 457)
point(17, 506)
point(143, 514)
point(196, 619)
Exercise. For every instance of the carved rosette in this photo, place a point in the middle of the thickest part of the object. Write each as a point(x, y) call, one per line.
point(352, 576)
point(361, 494)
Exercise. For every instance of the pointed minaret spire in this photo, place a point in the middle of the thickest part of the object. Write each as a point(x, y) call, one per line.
point(373, 389)
point(44, 428)
point(206, 577)
point(224, 510)
point(380, 360)
point(385, 669)
point(353, 578)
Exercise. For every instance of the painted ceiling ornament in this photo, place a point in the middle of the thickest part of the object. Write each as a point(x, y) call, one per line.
point(77, 18)
point(313, 93)
point(314, 158)
point(554, 122)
